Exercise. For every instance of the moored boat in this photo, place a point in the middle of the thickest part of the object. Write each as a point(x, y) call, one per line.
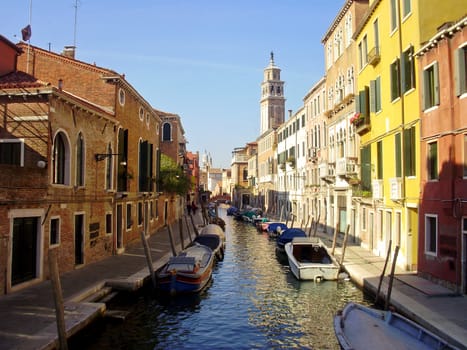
point(362, 327)
point(309, 259)
point(287, 236)
point(212, 236)
point(188, 272)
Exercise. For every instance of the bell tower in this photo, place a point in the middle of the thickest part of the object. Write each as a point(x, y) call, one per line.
point(272, 97)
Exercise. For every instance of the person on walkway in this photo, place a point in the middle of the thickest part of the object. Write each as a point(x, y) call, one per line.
point(193, 207)
point(188, 208)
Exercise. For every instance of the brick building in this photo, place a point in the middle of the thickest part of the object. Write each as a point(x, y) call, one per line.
point(85, 144)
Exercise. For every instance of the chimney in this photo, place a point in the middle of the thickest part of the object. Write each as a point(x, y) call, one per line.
point(69, 51)
point(290, 113)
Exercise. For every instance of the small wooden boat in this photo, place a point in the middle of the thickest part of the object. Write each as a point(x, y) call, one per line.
point(188, 272)
point(361, 327)
point(309, 259)
point(212, 236)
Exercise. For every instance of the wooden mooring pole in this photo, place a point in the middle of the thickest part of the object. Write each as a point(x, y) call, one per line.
point(334, 241)
point(58, 299)
point(194, 226)
point(311, 226)
point(316, 226)
point(188, 228)
point(345, 243)
point(391, 278)
point(180, 228)
point(172, 243)
point(383, 273)
point(147, 252)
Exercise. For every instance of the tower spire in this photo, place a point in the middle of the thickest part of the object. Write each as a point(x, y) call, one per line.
point(271, 61)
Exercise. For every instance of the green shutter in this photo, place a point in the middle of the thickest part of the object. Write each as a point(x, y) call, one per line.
point(357, 103)
point(436, 83)
point(379, 155)
point(459, 71)
point(372, 96)
point(426, 89)
point(397, 149)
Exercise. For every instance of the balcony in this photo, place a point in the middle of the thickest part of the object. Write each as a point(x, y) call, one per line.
point(361, 123)
point(327, 171)
point(240, 158)
point(395, 184)
point(346, 166)
point(378, 192)
point(374, 56)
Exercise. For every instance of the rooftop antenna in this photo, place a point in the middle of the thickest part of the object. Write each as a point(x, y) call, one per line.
point(76, 21)
point(28, 36)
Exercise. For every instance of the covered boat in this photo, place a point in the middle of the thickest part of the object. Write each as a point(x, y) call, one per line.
point(212, 236)
point(361, 327)
point(287, 236)
point(309, 259)
point(188, 272)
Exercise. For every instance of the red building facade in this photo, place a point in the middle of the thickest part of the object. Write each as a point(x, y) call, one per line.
point(443, 208)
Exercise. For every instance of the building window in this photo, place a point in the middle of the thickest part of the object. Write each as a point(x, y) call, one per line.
point(80, 163)
point(363, 52)
point(394, 15)
point(166, 132)
point(406, 7)
point(408, 70)
point(409, 152)
point(430, 94)
point(108, 224)
point(431, 234)
point(460, 64)
point(141, 113)
point(140, 214)
point(12, 152)
point(395, 82)
point(121, 97)
point(365, 156)
point(432, 161)
point(364, 219)
point(379, 160)
point(397, 148)
point(375, 95)
point(129, 220)
point(348, 29)
point(145, 166)
point(61, 163)
point(376, 34)
point(54, 231)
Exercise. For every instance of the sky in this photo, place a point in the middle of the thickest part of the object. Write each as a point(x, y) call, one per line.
point(200, 59)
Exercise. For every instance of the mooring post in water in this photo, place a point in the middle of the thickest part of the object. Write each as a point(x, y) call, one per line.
point(58, 298)
point(311, 226)
point(188, 228)
point(316, 225)
point(293, 219)
point(334, 241)
point(280, 216)
point(383, 272)
point(194, 226)
point(147, 252)
point(391, 278)
point(345, 243)
point(180, 228)
point(172, 243)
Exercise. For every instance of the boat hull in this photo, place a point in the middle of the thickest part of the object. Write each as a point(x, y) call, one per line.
point(361, 327)
point(188, 272)
point(309, 259)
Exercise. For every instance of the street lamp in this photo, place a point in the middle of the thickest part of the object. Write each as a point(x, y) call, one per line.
point(102, 156)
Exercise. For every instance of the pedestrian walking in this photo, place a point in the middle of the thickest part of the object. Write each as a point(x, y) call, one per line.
point(188, 208)
point(193, 207)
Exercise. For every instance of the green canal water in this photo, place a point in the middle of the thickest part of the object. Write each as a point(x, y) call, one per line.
point(252, 302)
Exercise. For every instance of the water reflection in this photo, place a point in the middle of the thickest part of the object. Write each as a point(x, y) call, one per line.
point(252, 302)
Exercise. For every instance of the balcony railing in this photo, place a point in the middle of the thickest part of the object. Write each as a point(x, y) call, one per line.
point(362, 125)
point(395, 184)
point(346, 166)
point(240, 158)
point(374, 56)
point(378, 192)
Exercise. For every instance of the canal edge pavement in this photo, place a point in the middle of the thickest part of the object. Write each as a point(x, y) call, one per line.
point(28, 315)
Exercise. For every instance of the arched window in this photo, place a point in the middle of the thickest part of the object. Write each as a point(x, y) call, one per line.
point(80, 153)
point(167, 132)
point(61, 160)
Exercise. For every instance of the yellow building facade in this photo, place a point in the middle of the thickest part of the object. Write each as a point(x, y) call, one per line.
point(388, 119)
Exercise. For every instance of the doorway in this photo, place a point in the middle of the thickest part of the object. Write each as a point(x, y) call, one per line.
point(119, 226)
point(24, 249)
point(79, 239)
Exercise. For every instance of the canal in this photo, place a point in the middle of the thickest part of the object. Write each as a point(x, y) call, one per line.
point(252, 302)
